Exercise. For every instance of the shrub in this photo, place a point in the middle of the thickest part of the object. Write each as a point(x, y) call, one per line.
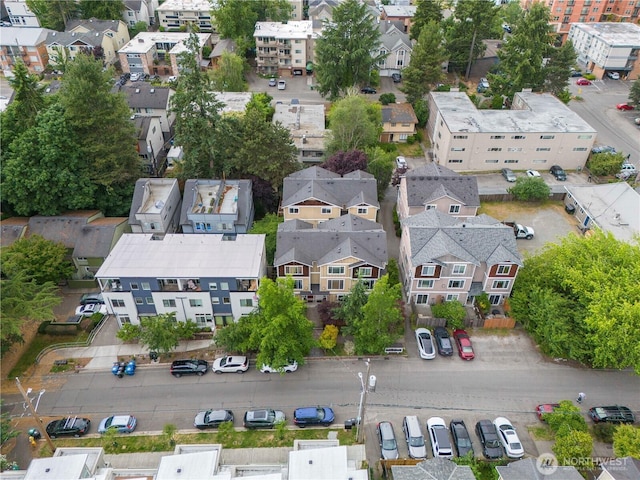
point(453, 311)
point(349, 348)
point(604, 432)
point(530, 189)
point(129, 332)
point(482, 301)
point(387, 98)
point(326, 310)
point(42, 328)
point(329, 337)
point(605, 163)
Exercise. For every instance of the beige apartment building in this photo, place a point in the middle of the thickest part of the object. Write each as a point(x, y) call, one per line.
point(537, 132)
point(284, 49)
point(174, 14)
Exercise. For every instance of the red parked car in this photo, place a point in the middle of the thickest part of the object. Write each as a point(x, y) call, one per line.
point(465, 348)
point(545, 408)
point(583, 81)
point(624, 106)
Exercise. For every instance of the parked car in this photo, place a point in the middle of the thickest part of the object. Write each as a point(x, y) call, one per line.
point(89, 309)
point(461, 438)
point(387, 439)
point(624, 106)
point(613, 75)
point(612, 414)
point(484, 84)
point(282, 84)
point(626, 170)
point(273, 82)
point(602, 149)
point(93, 297)
point(583, 81)
point(509, 438)
point(533, 173)
point(172, 78)
point(401, 163)
point(488, 436)
point(263, 418)
point(463, 342)
point(68, 427)
point(413, 436)
point(189, 367)
point(306, 416)
point(558, 172)
point(439, 436)
point(443, 341)
point(230, 364)
point(396, 77)
point(119, 423)
point(212, 418)
point(292, 366)
point(545, 408)
point(136, 77)
point(508, 174)
point(426, 348)
point(368, 90)
point(576, 73)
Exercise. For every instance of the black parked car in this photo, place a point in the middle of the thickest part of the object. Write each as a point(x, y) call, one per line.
point(488, 436)
point(612, 414)
point(368, 90)
point(212, 418)
point(189, 367)
point(461, 439)
point(558, 172)
point(68, 427)
point(396, 77)
point(443, 341)
point(265, 418)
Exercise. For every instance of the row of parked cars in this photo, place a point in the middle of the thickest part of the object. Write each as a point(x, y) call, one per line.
point(604, 414)
point(495, 437)
point(226, 364)
point(441, 341)
point(266, 417)
point(74, 426)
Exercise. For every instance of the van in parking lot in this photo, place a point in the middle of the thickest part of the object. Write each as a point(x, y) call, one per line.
point(414, 437)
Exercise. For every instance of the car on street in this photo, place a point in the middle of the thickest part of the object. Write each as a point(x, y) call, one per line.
point(576, 73)
point(583, 81)
point(387, 440)
point(68, 427)
point(189, 367)
point(602, 149)
point(90, 309)
point(212, 418)
point(273, 82)
point(612, 414)
point(290, 367)
point(262, 418)
point(508, 174)
point(461, 438)
point(488, 436)
point(282, 84)
point(627, 170)
point(230, 364)
point(396, 77)
point(624, 106)
point(310, 416)
point(613, 75)
point(93, 297)
point(545, 408)
point(533, 173)
point(463, 342)
point(426, 348)
point(443, 341)
point(368, 90)
point(439, 437)
point(558, 172)
point(118, 423)
point(414, 437)
point(401, 163)
point(509, 438)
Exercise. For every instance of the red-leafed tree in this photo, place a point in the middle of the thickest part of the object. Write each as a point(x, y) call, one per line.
point(346, 162)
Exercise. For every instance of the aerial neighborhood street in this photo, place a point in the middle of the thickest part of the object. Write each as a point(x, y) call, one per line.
point(219, 217)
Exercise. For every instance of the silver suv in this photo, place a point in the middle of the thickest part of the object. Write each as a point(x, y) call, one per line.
point(388, 444)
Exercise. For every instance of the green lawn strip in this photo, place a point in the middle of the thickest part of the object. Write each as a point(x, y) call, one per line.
point(39, 343)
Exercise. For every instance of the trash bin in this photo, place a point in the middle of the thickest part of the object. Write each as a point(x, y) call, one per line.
point(153, 356)
point(34, 432)
point(350, 423)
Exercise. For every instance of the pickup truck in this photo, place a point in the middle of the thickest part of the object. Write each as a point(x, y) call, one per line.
point(521, 231)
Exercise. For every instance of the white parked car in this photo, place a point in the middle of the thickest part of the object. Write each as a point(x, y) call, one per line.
point(282, 84)
point(237, 364)
point(508, 438)
point(290, 367)
point(401, 162)
point(426, 348)
point(439, 436)
point(136, 76)
point(613, 75)
point(533, 173)
point(91, 308)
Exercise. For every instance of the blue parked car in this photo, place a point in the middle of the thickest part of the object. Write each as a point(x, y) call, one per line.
point(313, 416)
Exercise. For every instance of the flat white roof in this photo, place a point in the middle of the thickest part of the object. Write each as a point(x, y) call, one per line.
point(618, 34)
point(186, 6)
point(70, 467)
point(145, 41)
point(545, 114)
point(400, 10)
point(200, 465)
point(185, 255)
point(234, 101)
point(292, 29)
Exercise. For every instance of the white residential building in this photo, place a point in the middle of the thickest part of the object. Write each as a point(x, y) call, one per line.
point(284, 48)
point(173, 14)
point(139, 11)
point(20, 15)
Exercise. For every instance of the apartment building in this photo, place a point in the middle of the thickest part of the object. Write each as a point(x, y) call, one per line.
point(155, 206)
point(608, 47)
point(174, 14)
point(306, 123)
point(537, 132)
point(284, 49)
point(19, 14)
point(26, 44)
point(139, 11)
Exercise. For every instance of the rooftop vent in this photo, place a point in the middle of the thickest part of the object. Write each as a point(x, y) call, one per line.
point(159, 204)
point(153, 90)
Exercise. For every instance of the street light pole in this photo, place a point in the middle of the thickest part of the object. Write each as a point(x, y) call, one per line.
point(366, 382)
point(35, 415)
point(473, 44)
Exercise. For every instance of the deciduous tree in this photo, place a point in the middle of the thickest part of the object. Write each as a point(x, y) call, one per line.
point(346, 162)
point(350, 309)
point(634, 93)
point(37, 259)
point(229, 76)
point(268, 225)
point(426, 11)
point(160, 333)
point(7, 431)
point(452, 310)
point(381, 165)
point(530, 189)
point(573, 444)
point(605, 163)
point(355, 124)
point(54, 14)
point(626, 441)
point(425, 68)
point(102, 9)
point(566, 415)
point(346, 53)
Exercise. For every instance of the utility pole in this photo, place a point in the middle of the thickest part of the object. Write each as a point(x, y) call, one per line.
point(473, 44)
point(35, 416)
point(366, 383)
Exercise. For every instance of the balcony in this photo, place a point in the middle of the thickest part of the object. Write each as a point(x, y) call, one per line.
point(179, 285)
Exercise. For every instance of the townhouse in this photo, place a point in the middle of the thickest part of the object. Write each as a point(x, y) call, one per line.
point(139, 11)
point(396, 46)
point(115, 33)
point(155, 206)
point(146, 100)
point(20, 15)
point(284, 48)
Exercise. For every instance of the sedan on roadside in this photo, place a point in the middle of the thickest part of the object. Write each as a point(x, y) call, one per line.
point(624, 106)
point(545, 408)
point(368, 90)
point(119, 423)
point(583, 81)
point(230, 364)
point(387, 439)
point(426, 348)
point(273, 82)
point(508, 174)
point(533, 173)
point(488, 436)
point(310, 416)
point(68, 427)
point(264, 418)
point(290, 367)
point(463, 342)
point(461, 438)
point(443, 341)
point(509, 438)
point(212, 418)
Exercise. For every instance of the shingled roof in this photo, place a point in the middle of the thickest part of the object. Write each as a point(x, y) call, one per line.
point(398, 113)
point(427, 183)
point(145, 95)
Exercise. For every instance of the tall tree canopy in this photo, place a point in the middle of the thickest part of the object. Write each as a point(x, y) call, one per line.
point(346, 53)
point(346, 162)
point(584, 288)
point(28, 96)
point(54, 14)
point(102, 9)
point(634, 93)
point(426, 11)
point(229, 76)
point(38, 259)
point(355, 123)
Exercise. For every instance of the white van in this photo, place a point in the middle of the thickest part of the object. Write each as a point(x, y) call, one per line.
point(414, 437)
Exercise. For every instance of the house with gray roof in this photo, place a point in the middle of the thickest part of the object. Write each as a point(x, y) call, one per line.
point(139, 11)
point(217, 206)
point(446, 258)
point(146, 100)
point(399, 122)
point(24, 44)
point(316, 195)
point(65, 46)
point(625, 468)
point(434, 187)
point(155, 206)
point(115, 31)
point(151, 146)
point(529, 469)
point(326, 260)
point(433, 469)
point(396, 44)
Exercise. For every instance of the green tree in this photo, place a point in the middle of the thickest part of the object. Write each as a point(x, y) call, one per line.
point(558, 69)
point(573, 444)
point(268, 225)
point(387, 98)
point(329, 337)
point(512, 13)
point(626, 441)
point(237, 336)
point(634, 93)
point(602, 164)
point(38, 259)
point(197, 114)
point(381, 165)
point(102, 9)
point(345, 54)
point(129, 332)
point(425, 68)
point(262, 102)
point(159, 333)
point(530, 189)
point(350, 309)
point(7, 431)
point(452, 310)
point(137, 28)
point(381, 319)
point(229, 77)
point(355, 124)
point(54, 14)
point(566, 416)
point(28, 95)
point(426, 11)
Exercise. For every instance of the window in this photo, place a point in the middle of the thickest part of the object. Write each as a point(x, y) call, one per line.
point(215, 300)
point(430, 207)
point(543, 149)
point(451, 297)
point(149, 300)
point(456, 283)
point(145, 286)
point(428, 270)
point(547, 137)
point(585, 137)
point(494, 149)
point(297, 284)
point(362, 210)
point(124, 319)
point(293, 270)
point(454, 209)
point(580, 149)
point(195, 302)
point(139, 300)
point(116, 302)
point(425, 283)
point(491, 161)
point(169, 303)
point(213, 286)
point(365, 271)
point(511, 161)
point(203, 318)
point(134, 286)
point(503, 269)
point(226, 300)
point(459, 269)
point(514, 149)
point(460, 137)
point(246, 302)
point(455, 160)
point(497, 137)
point(335, 270)
point(540, 161)
point(458, 149)
point(325, 210)
point(499, 284)
point(224, 285)
point(495, 299)
point(422, 299)
point(518, 137)
point(335, 284)
point(293, 210)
